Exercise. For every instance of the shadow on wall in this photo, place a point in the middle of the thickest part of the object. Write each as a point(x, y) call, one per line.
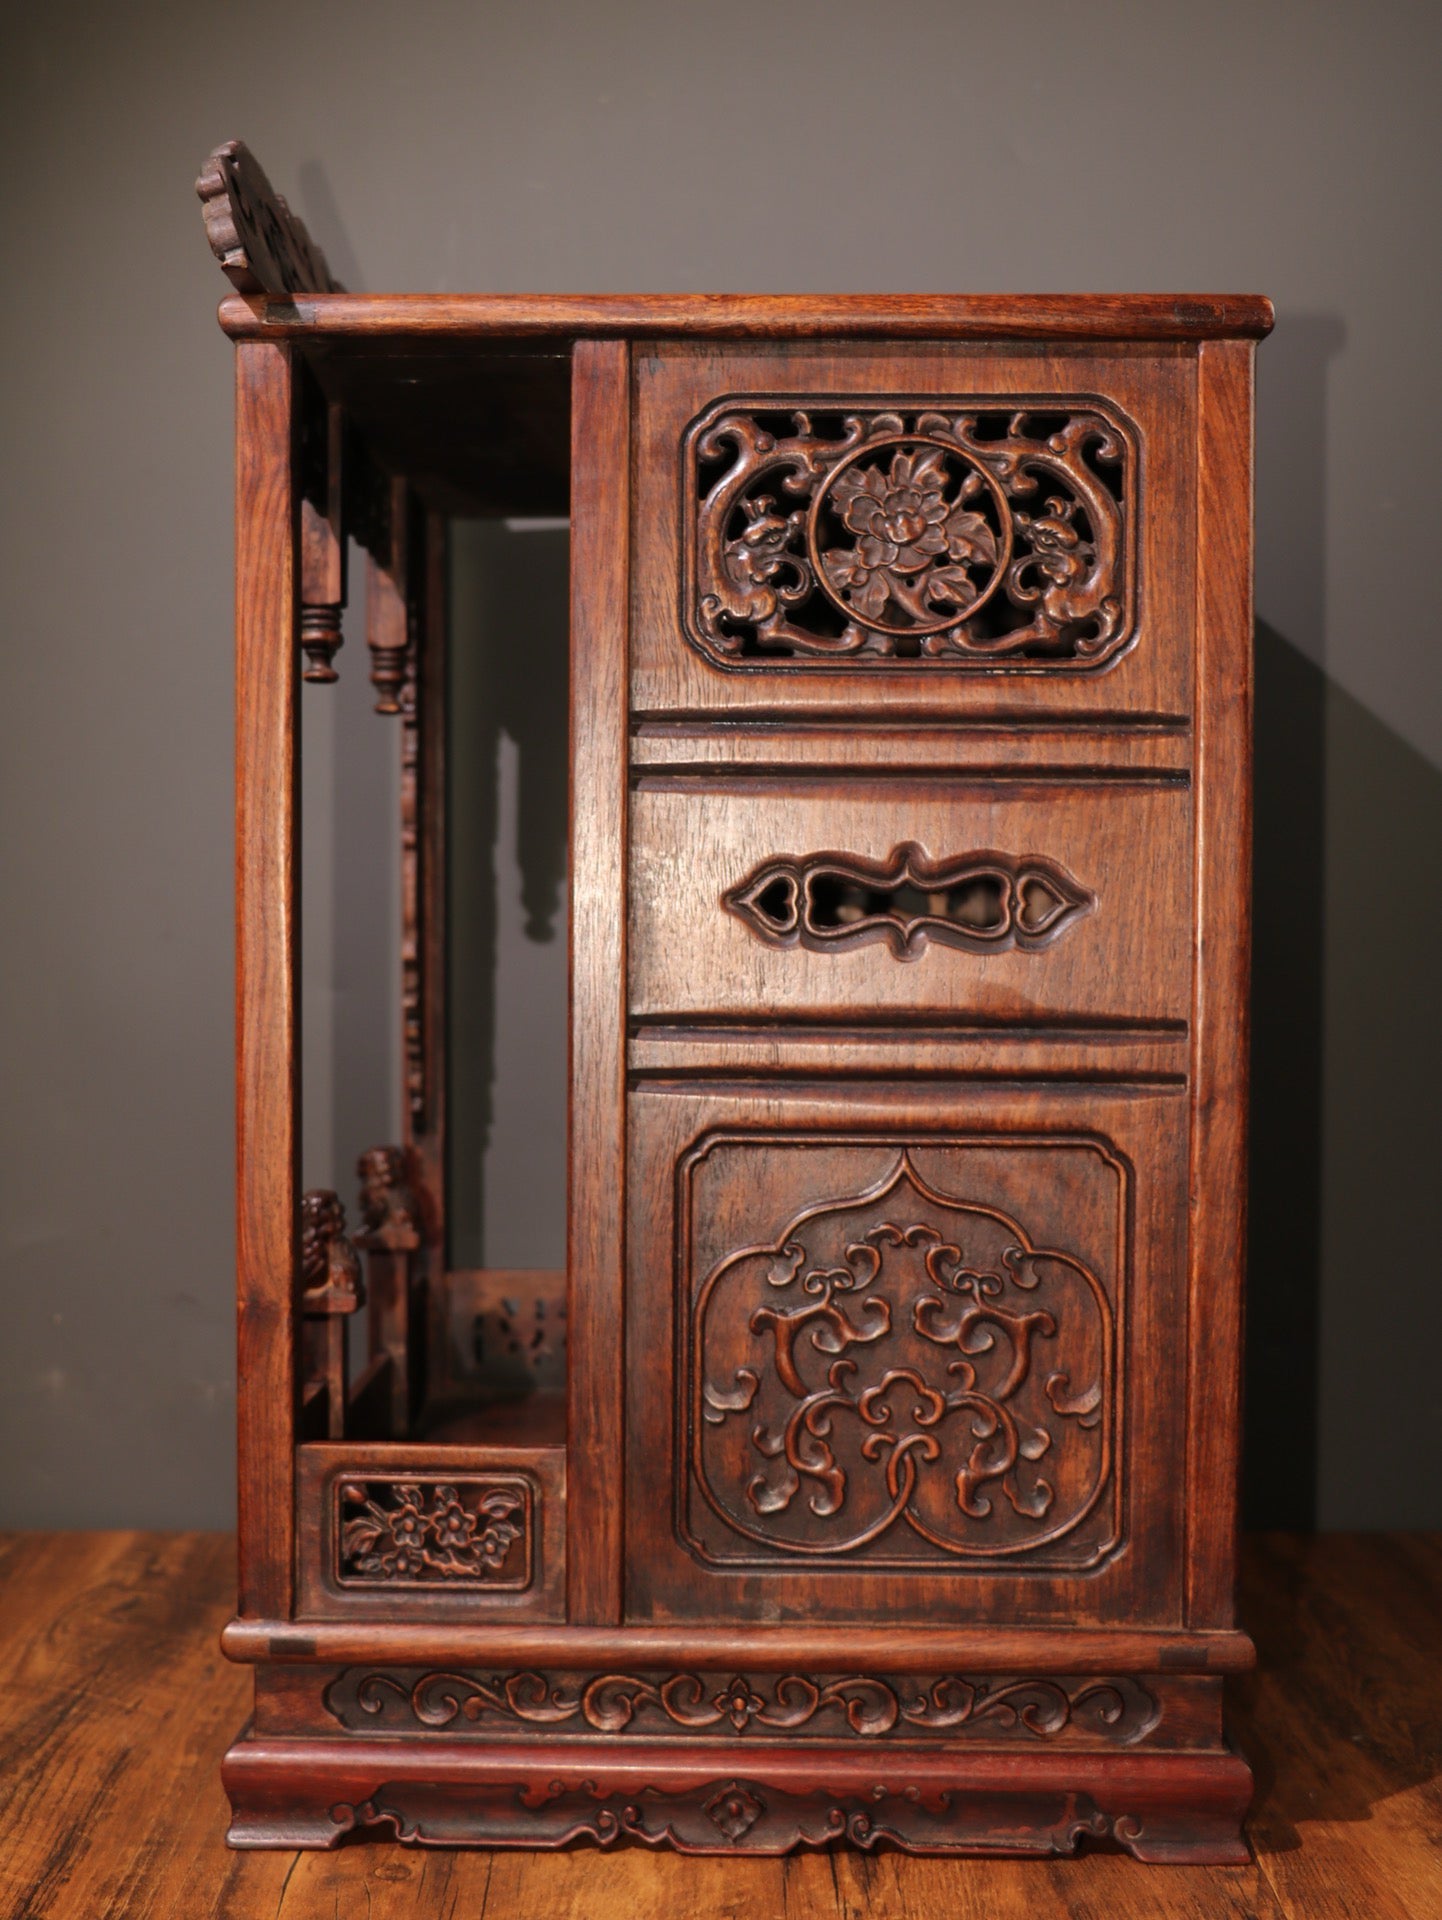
point(1344, 1311)
point(1279, 1458)
point(1344, 1305)
point(508, 799)
point(1284, 1303)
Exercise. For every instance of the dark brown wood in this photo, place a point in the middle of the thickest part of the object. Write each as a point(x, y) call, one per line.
point(267, 923)
point(890, 1391)
point(917, 316)
point(1148, 394)
point(123, 1814)
point(323, 547)
point(438, 1532)
point(802, 1209)
point(391, 1237)
point(261, 245)
point(595, 1232)
point(330, 1292)
point(425, 728)
point(388, 601)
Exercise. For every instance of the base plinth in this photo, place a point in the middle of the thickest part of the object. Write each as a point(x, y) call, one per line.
point(307, 1792)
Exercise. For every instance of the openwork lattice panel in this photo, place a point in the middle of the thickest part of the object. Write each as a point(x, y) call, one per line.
point(994, 536)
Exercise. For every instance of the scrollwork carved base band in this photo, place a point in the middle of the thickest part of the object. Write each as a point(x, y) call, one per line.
point(1159, 1806)
point(1106, 1710)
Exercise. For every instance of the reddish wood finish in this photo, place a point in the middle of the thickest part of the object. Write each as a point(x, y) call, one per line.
point(883, 316)
point(121, 1812)
point(877, 1480)
point(267, 921)
point(1221, 1023)
point(595, 1228)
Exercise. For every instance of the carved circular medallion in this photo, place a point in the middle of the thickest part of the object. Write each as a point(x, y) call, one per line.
point(909, 534)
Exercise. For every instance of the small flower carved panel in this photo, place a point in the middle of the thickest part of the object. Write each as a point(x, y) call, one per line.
point(722, 1706)
point(965, 535)
point(979, 902)
point(434, 1532)
point(902, 1375)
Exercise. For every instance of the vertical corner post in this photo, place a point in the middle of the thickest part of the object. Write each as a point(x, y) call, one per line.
point(267, 966)
point(596, 1184)
point(1221, 969)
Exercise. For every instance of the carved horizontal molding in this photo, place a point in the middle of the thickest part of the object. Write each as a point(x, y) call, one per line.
point(450, 1531)
point(977, 902)
point(979, 534)
point(1112, 1710)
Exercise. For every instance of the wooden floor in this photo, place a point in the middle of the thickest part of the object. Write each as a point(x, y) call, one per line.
point(116, 1706)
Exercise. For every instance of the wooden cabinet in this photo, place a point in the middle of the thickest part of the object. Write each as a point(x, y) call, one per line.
point(869, 1472)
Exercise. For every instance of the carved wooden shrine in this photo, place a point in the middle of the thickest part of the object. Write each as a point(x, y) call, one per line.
point(870, 1473)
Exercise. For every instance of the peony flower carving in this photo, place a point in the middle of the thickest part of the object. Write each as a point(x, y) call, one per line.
point(917, 549)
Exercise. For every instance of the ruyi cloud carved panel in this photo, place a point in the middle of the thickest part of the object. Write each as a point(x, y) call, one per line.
point(902, 1375)
point(994, 535)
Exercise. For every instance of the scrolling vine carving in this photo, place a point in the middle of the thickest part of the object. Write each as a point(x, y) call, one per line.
point(980, 902)
point(868, 1706)
point(901, 1363)
point(970, 535)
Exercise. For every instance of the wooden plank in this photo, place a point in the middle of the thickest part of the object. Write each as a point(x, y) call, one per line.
point(1098, 316)
point(1221, 968)
point(267, 884)
point(117, 1705)
point(889, 1648)
point(595, 1259)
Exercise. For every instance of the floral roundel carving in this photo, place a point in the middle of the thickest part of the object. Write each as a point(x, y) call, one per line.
point(926, 535)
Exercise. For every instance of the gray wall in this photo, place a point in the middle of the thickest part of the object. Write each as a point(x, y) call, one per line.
point(1290, 149)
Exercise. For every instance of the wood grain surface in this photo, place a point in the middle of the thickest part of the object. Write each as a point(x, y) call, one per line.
point(117, 1706)
point(954, 316)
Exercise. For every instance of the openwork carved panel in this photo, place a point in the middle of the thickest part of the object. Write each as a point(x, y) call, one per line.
point(1114, 1711)
point(979, 902)
point(969, 534)
point(900, 1375)
point(434, 1532)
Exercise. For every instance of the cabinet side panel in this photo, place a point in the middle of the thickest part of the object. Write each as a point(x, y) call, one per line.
point(1222, 963)
point(267, 924)
point(600, 514)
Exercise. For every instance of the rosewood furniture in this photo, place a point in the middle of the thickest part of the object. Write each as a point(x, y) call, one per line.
point(869, 1474)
